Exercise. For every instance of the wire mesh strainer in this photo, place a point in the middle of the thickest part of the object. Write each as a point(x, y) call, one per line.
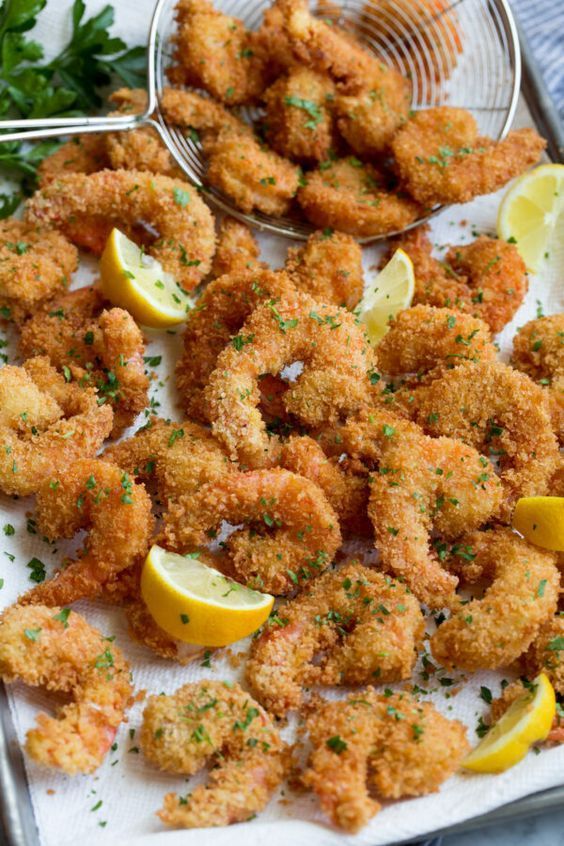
point(458, 52)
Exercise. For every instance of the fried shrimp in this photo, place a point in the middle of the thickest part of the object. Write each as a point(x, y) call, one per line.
point(346, 491)
point(216, 322)
point(544, 655)
point(86, 207)
point(299, 123)
point(45, 424)
point(96, 348)
point(390, 746)
point(218, 722)
point(441, 158)
point(522, 595)
point(237, 248)
point(329, 267)
point(423, 340)
point(57, 649)
point(82, 154)
point(369, 119)
point(500, 412)
point(192, 111)
point(538, 351)
point(486, 279)
point(290, 533)
point(353, 197)
point(101, 498)
point(421, 485)
point(215, 52)
point(35, 265)
point(331, 385)
point(179, 457)
point(352, 626)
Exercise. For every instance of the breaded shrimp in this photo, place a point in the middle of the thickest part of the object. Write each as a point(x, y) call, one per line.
point(94, 495)
point(236, 249)
point(216, 322)
point(192, 111)
point(331, 386)
point(352, 626)
point(329, 267)
point(82, 154)
point(420, 484)
point(290, 534)
point(538, 350)
point(500, 412)
point(94, 347)
point(369, 119)
point(214, 51)
point(179, 457)
point(57, 649)
point(441, 158)
point(45, 424)
point(274, 41)
point(35, 265)
point(486, 279)
point(392, 746)
point(86, 207)
point(218, 722)
point(545, 654)
point(354, 197)
point(298, 120)
point(491, 632)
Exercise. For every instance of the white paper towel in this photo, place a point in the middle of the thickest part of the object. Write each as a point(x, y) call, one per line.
point(119, 801)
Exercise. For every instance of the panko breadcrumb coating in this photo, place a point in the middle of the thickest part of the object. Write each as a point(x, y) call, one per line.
point(217, 722)
point(236, 249)
point(442, 159)
point(351, 626)
point(388, 746)
point(329, 267)
point(57, 649)
point(521, 597)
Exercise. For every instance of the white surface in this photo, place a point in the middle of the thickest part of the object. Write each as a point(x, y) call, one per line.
point(131, 790)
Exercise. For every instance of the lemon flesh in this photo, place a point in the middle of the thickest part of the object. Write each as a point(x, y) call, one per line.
point(391, 291)
point(527, 721)
point(196, 604)
point(532, 213)
point(540, 519)
point(137, 282)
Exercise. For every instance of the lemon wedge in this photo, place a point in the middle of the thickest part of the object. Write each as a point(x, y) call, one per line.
point(531, 213)
point(196, 604)
point(526, 721)
point(540, 519)
point(391, 291)
point(137, 282)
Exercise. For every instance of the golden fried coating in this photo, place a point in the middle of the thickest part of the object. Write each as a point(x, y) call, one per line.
point(217, 320)
point(57, 649)
point(441, 158)
point(500, 412)
point(486, 279)
point(94, 347)
point(82, 154)
point(369, 119)
point(218, 722)
point(419, 485)
point(35, 265)
point(538, 350)
point(101, 498)
point(215, 52)
point(351, 626)
point(353, 197)
point(178, 457)
point(491, 632)
point(86, 207)
point(331, 386)
point(192, 111)
point(290, 532)
point(544, 655)
point(236, 249)
point(391, 746)
point(329, 267)
point(423, 339)
point(298, 120)
point(45, 424)
point(273, 40)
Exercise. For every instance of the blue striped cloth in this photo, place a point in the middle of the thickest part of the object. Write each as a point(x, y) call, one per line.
point(543, 24)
